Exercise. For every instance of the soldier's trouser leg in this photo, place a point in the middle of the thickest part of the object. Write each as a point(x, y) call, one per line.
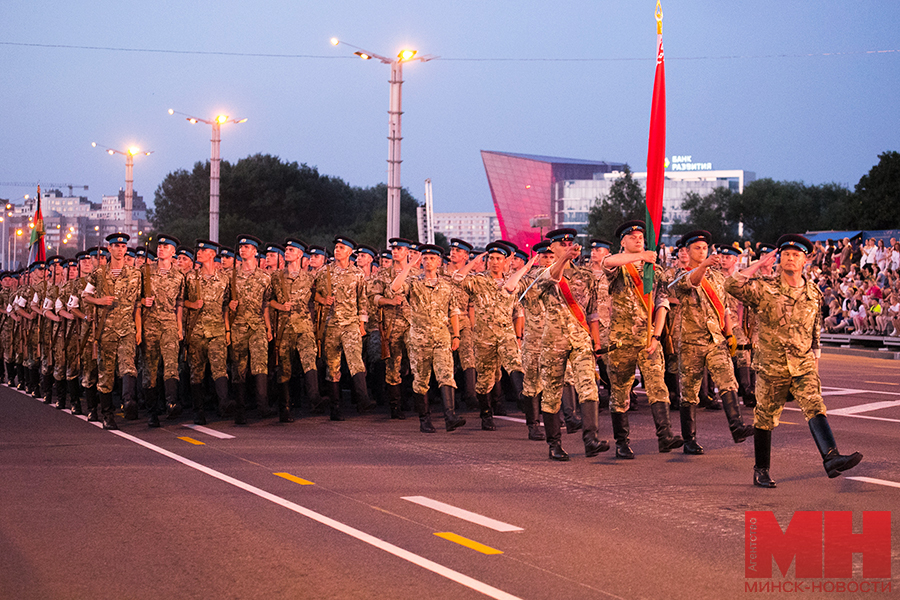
point(284, 407)
point(448, 399)
point(262, 395)
point(621, 431)
point(688, 413)
point(173, 407)
point(590, 414)
point(666, 440)
point(553, 429)
point(421, 403)
point(835, 463)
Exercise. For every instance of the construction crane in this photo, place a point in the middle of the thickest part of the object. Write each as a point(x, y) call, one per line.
point(34, 184)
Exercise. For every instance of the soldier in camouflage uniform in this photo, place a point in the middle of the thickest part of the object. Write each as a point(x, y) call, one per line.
point(634, 338)
point(115, 289)
point(534, 312)
point(600, 249)
point(493, 296)
point(32, 327)
point(431, 342)
point(741, 328)
point(68, 369)
point(163, 292)
point(375, 363)
point(251, 328)
point(790, 320)
point(459, 256)
point(46, 308)
point(207, 294)
point(58, 329)
point(571, 336)
point(705, 329)
point(86, 314)
point(293, 289)
point(7, 323)
point(345, 317)
point(395, 315)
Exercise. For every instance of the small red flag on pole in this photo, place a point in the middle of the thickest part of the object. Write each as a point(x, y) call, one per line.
point(656, 152)
point(37, 249)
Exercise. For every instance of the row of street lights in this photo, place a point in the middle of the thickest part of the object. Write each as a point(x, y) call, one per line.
point(394, 138)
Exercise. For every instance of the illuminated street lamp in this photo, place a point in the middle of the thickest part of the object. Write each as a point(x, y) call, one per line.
point(213, 165)
point(394, 137)
point(129, 155)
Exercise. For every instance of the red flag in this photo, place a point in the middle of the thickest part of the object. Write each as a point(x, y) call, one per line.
point(656, 152)
point(37, 250)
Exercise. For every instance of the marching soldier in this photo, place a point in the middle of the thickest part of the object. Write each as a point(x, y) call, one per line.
point(163, 292)
point(571, 336)
point(292, 290)
point(431, 344)
point(340, 290)
point(251, 329)
point(459, 256)
point(636, 322)
point(790, 320)
point(532, 390)
point(87, 315)
point(71, 337)
point(706, 327)
point(207, 294)
point(115, 290)
point(742, 325)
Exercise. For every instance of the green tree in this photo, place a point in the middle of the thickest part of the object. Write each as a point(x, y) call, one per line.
point(625, 201)
point(877, 203)
point(709, 213)
point(274, 199)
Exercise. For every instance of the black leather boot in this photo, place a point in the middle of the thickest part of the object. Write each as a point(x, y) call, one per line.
point(364, 404)
point(573, 423)
point(469, 396)
point(689, 428)
point(61, 391)
point(421, 403)
point(762, 448)
point(671, 381)
point(47, 388)
point(553, 429)
point(73, 391)
point(835, 462)
point(173, 406)
point(92, 401)
point(707, 394)
point(316, 403)
point(239, 389)
point(262, 396)
point(106, 409)
point(393, 395)
point(745, 387)
point(129, 403)
point(487, 417)
point(532, 408)
point(590, 416)
point(336, 413)
point(621, 430)
point(21, 379)
point(739, 431)
point(226, 404)
point(666, 441)
point(448, 399)
point(284, 409)
point(498, 402)
point(197, 396)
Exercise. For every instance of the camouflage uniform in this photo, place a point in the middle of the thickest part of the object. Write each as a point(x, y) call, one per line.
point(495, 338)
point(702, 338)
point(160, 322)
point(790, 322)
point(117, 340)
point(395, 322)
point(531, 339)
point(295, 330)
point(431, 303)
point(628, 335)
point(348, 286)
point(206, 339)
point(565, 341)
point(249, 343)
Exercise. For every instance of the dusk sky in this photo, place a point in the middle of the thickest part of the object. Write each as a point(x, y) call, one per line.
point(789, 90)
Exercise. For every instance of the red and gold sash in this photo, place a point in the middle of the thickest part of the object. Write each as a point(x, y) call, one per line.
point(638, 283)
point(572, 304)
point(713, 298)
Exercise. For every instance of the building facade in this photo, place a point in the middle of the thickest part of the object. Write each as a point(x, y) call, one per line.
point(477, 228)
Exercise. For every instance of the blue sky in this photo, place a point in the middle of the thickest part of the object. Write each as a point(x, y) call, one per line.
point(789, 90)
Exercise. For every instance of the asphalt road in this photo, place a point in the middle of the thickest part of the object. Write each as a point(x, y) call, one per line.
point(371, 508)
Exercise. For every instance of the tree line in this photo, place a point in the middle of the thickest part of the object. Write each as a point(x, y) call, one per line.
point(766, 208)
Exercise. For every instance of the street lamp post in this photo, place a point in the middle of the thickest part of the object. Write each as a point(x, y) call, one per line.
point(129, 155)
point(214, 163)
point(394, 135)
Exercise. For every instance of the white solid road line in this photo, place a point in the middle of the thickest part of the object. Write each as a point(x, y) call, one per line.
point(795, 409)
point(432, 566)
point(875, 481)
point(462, 514)
point(860, 408)
point(208, 431)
